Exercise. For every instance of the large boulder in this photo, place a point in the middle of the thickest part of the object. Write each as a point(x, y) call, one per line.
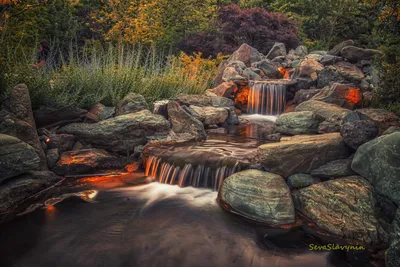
point(203, 100)
point(50, 117)
point(379, 162)
point(356, 133)
point(302, 122)
point(334, 169)
point(343, 207)
point(14, 192)
point(16, 157)
point(225, 89)
point(349, 71)
point(337, 49)
point(184, 123)
point(17, 120)
point(131, 103)
point(325, 110)
point(86, 161)
point(122, 133)
point(269, 69)
point(383, 118)
point(343, 95)
point(277, 50)
point(301, 154)
point(259, 196)
point(328, 76)
point(211, 115)
point(246, 54)
point(355, 54)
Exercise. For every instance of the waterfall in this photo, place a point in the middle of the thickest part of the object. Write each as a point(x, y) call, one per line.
point(266, 98)
point(188, 175)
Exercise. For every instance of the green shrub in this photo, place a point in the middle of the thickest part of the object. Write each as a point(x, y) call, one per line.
point(104, 75)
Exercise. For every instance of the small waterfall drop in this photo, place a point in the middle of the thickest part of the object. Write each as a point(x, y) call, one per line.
point(266, 98)
point(188, 175)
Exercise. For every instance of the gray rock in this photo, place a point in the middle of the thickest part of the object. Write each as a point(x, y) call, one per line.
point(301, 51)
point(304, 95)
point(230, 74)
point(335, 51)
point(329, 60)
point(383, 118)
point(211, 115)
point(354, 54)
point(330, 125)
point(301, 154)
point(343, 207)
point(323, 109)
point(258, 195)
point(239, 66)
point(328, 76)
point(52, 157)
point(349, 71)
point(184, 123)
point(131, 104)
point(232, 118)
point(270, 69)
point(334, 169)
point(63, 142)
point(250, 74)
point(302, 122)
point(318, 52)
point(277, 50)
point(203, 100)
point(355, 115)
point(300, 180)
point(160, 108)
point(359, 132)
point(393, 252)
point(122, 133)
point(102, 112)
point(379, 162)
point(16, 157)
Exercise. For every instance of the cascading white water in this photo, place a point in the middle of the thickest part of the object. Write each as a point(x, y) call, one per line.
point(188, 175)
point(266, 98)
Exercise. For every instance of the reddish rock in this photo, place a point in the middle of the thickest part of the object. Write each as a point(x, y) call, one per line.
point(383, 118)
point(343, 95)
point(225, 89)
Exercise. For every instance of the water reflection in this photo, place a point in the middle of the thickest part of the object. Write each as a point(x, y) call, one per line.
point(151, 225)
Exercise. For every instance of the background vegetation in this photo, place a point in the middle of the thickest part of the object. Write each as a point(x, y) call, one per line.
point(102, 49)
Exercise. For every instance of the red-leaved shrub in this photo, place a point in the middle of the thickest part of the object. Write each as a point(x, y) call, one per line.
point(235, 26)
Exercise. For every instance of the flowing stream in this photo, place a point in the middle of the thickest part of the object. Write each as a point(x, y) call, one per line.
point(152, 225)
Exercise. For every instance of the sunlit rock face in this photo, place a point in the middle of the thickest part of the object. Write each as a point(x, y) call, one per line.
point(122, 133)
point(258, 195)
point(86, 161)
point(379, 162)
point(343, 95)
point(16, 157)
point(301, 153)
point(343, 207)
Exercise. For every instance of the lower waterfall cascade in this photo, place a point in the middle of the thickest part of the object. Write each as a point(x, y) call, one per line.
point(188, 175)
point(266, 98)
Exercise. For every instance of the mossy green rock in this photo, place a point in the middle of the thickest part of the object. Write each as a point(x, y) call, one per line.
point(343, 207)
point(379, 162)
point(393, 253)
point(122, 133)
point(334, 169)
point(323, 109)
point(300, 180)
point(130, 104)
point(259, 196)
point(302, 122)
point(16, 157)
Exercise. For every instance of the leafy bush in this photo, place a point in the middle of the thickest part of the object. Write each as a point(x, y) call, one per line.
point(235, 26)
point(101, 75)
